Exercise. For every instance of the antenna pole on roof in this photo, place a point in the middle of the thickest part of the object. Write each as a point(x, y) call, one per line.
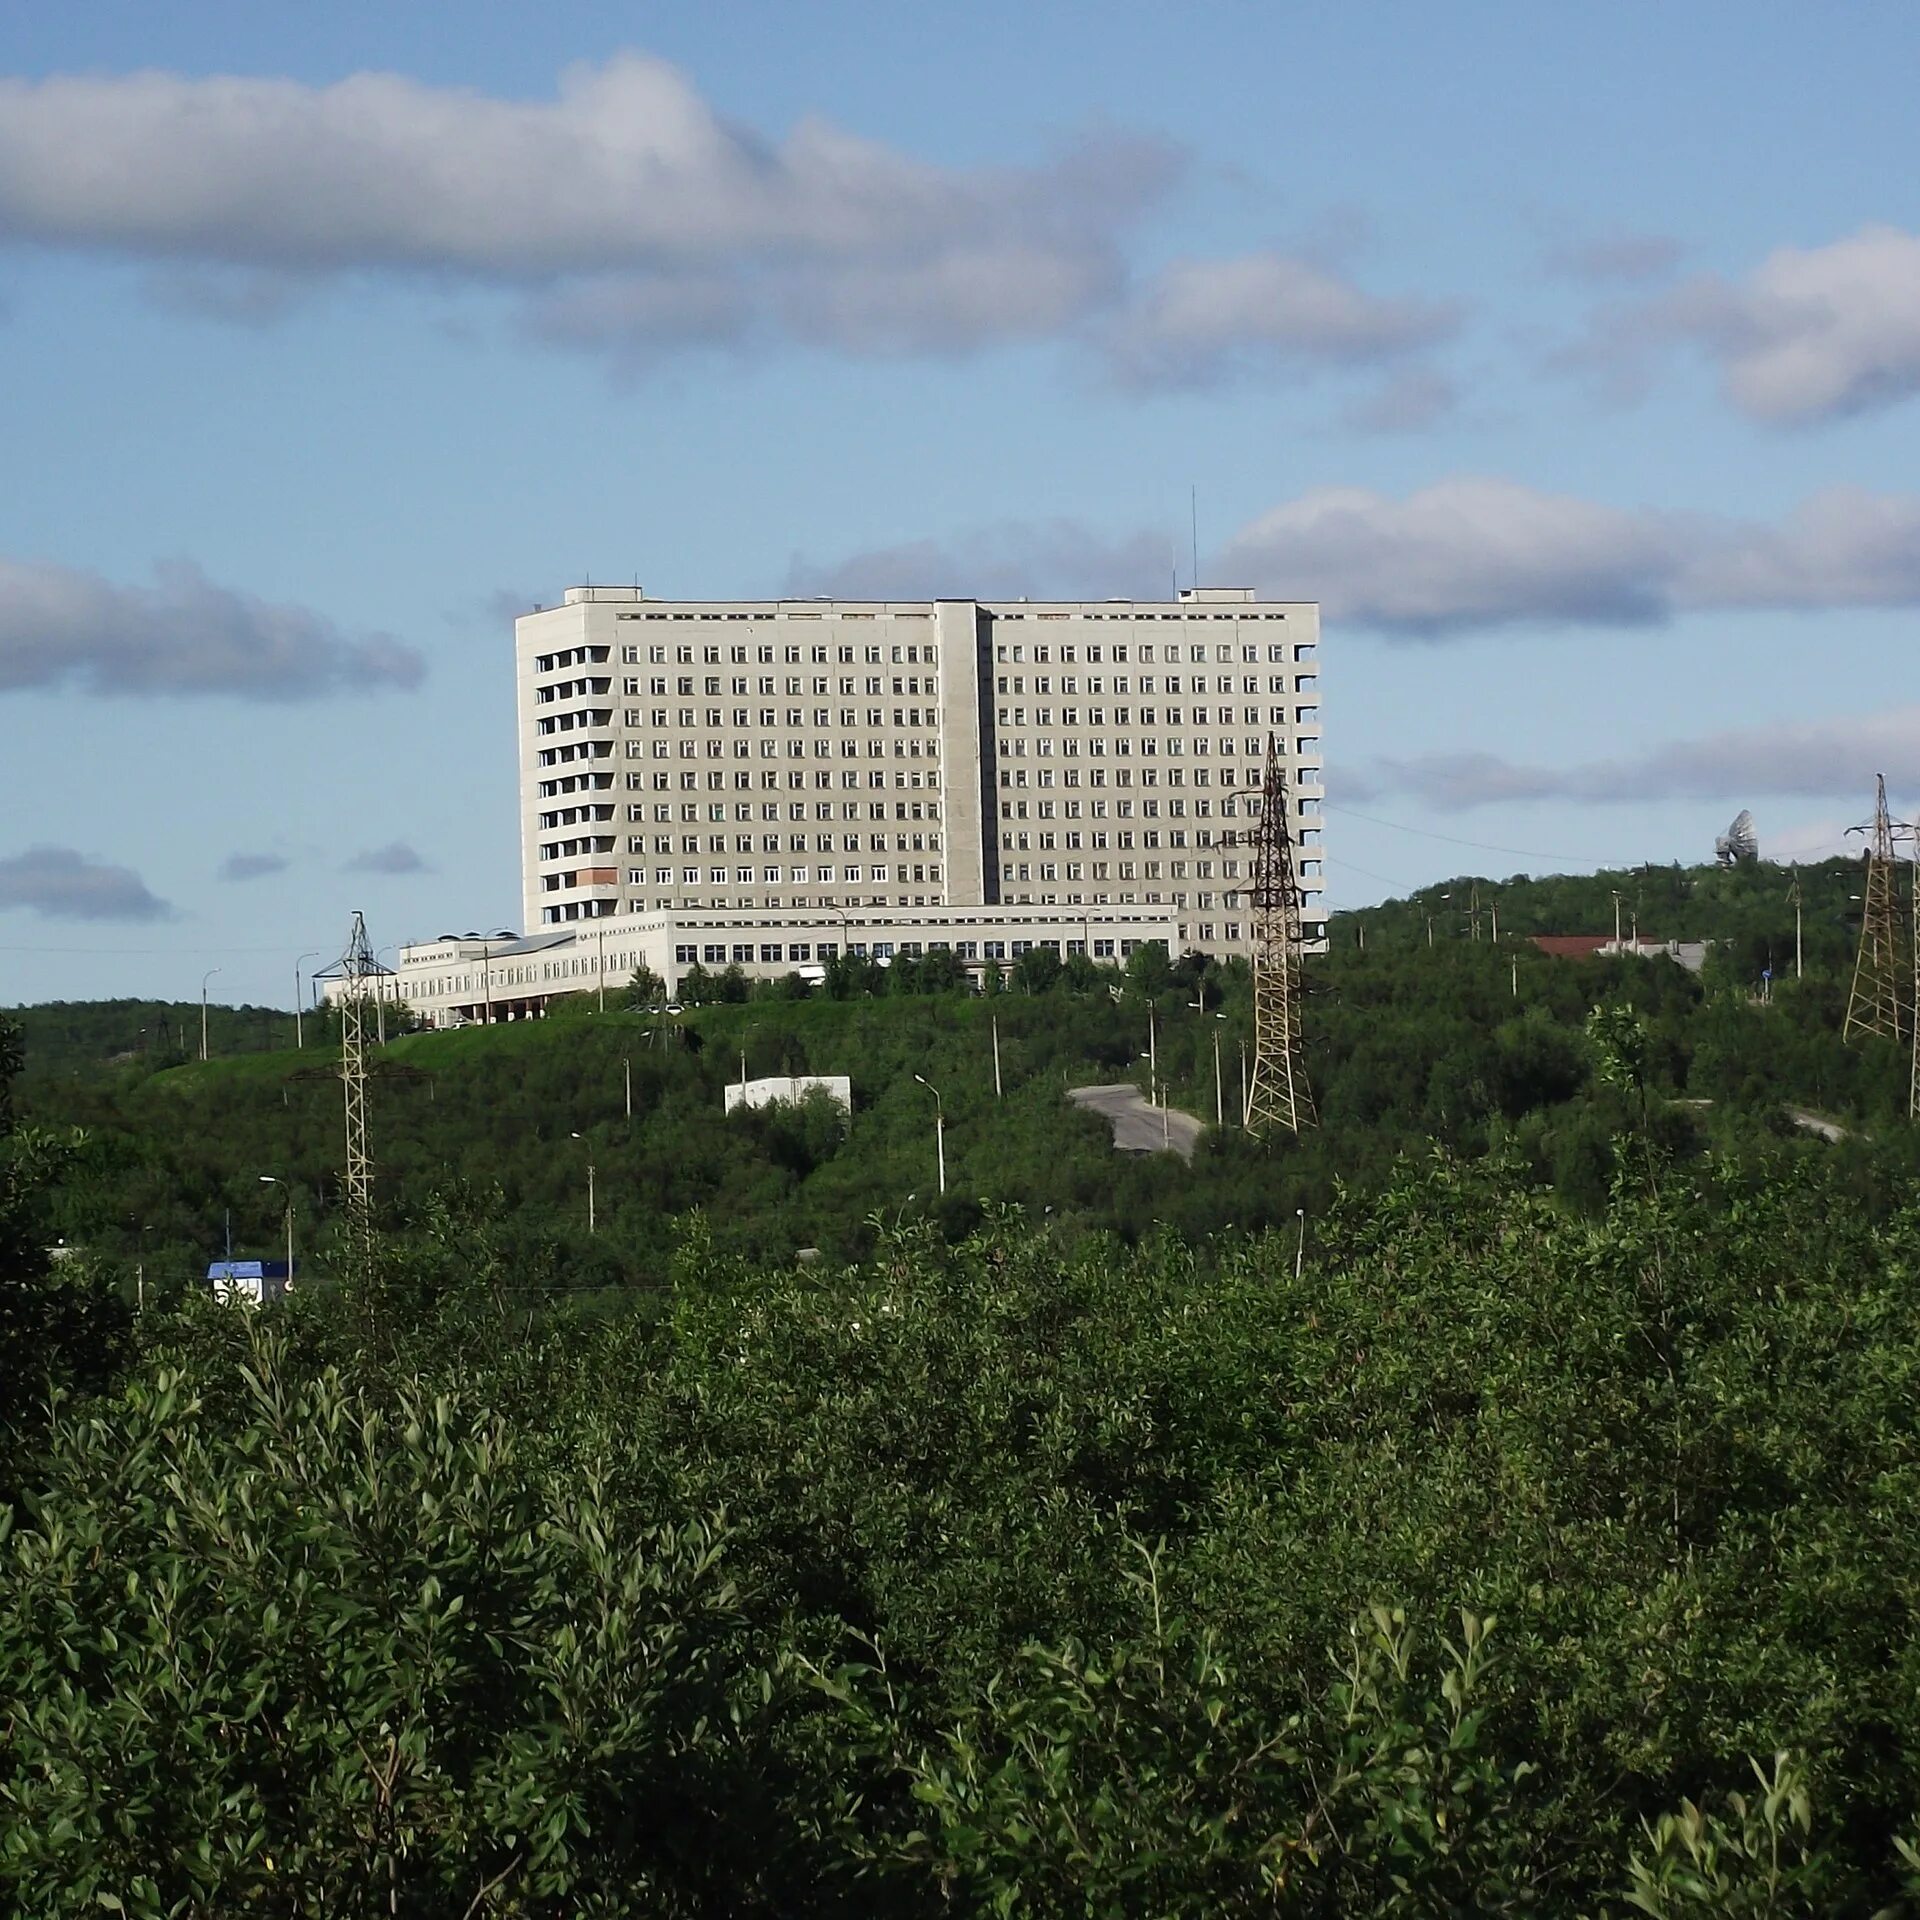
point(1193, 504)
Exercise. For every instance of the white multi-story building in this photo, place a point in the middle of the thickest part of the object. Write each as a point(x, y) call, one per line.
point(774, 756)
point(772, 782)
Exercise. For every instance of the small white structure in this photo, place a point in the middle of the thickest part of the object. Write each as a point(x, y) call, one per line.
point(792, 1088)
point(249, 1283)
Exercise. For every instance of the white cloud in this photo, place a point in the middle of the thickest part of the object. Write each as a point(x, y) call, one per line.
point(60, 884)
point(1828, 759)
point(396, 857)
point(1618, 257)
point(1463, 553)
point(1202, 321)
point(1408, 400)
point(183, 635)
point(635, 215)
point(1811, 334)
point(252, 866)
point(1475, 553)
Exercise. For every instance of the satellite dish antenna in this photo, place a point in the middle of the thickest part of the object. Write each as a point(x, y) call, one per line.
point(1739, 842)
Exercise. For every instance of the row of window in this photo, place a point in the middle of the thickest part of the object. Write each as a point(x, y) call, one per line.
point(663, 843)
point(919, 875)
point(911, 686)
point(1249, 789)
point(914, 719)
point(742, 781)
point(1144, 653)
point(765, 656)
point(1097, 716)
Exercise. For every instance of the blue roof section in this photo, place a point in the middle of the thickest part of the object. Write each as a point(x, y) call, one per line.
point(247, 1270)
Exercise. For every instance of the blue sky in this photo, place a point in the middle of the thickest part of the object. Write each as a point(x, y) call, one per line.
point(1568, 356)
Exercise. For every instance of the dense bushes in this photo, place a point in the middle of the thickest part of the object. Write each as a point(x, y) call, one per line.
point(1009, 1576)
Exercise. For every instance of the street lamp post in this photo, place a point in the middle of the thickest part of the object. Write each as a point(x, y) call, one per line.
point(382, 983)
point(299, 1030)
point(590, 1208)
point(204, 978)
point(272, 1180)
point(939, 1127)
point(993, 1021)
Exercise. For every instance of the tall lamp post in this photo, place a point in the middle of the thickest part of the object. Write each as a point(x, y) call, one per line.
point(204, 978)
point(582, 1138)
point(286, 1193)
point(939, 1127)
point(299, 1031)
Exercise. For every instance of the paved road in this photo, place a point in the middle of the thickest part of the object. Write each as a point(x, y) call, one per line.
point(1139, 1127)
point(1812, 1122)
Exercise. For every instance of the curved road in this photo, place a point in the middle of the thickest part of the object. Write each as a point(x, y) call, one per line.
point(1138, 1126)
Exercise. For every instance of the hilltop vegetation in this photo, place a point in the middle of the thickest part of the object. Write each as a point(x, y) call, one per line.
point(1531, 1528)
point(1477, 1048)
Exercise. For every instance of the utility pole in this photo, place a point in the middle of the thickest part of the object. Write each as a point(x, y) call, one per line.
point(1873, 1005)
point(994, 1020)
point(204, 978)
point(600, 963)
point(581, 1137)
point(627, 1065)
point(299, 1032)
point(1219, 1092)
point(1616, 922)
point(1793, 894)
point(1913, 1068)
point(939, 1128)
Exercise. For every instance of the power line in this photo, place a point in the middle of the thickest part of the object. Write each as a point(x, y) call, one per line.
point(1454, 840)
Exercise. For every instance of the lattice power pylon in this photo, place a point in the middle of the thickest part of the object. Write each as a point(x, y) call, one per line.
point(1913, 998)
point(1879, 984)
point(1278, 1099)
point(357, 968)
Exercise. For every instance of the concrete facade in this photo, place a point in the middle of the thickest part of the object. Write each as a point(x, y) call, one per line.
point(769, 758)
point(456, 980)
point(766, 784)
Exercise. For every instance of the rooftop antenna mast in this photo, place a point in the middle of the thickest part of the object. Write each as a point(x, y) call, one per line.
point(1875, 1003)
point(1279, 1099)
point(357, 970)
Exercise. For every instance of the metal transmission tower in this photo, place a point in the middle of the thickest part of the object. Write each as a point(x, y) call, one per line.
point(356, 967)
point(1875, 1004)
point(1913, 1002)
point(1279, 1100)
